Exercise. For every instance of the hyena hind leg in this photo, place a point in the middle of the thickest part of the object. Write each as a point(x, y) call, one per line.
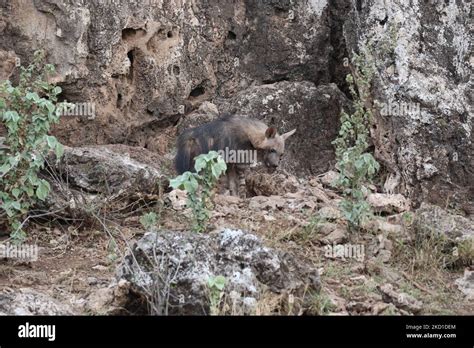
point(232, 179)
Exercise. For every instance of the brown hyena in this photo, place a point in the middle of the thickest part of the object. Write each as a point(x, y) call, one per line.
point(239, 140)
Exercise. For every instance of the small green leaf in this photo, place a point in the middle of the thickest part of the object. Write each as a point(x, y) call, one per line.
point(219, 282)
point(11, 116)
point(148, 220)
point(59, 150)
point(177, 182)
point(50, 106)
point(32, 96)
point(191, 185)
point(52, 142)
point(4, 168)
point(16, 192)
point(42, 190)
point(16, 205)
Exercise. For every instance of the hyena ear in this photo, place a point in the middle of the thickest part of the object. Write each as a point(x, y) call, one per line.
point(288, 134)
point(270, 132)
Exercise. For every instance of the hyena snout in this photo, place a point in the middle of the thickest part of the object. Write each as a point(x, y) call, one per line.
point(272, 160)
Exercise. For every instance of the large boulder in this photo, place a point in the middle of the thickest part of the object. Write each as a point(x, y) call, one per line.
point(110, 169)
point(172, 270)
point(88, 178)
point(431, 219)
point(313, 110)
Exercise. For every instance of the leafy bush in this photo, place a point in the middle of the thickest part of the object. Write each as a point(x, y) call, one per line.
point(27, 111)
point(199, 185)
point(356, 166)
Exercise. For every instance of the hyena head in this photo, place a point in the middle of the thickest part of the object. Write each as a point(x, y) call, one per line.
point(274, 146)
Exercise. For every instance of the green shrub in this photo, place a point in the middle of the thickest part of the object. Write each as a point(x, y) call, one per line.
point(355, 165)
point(199, 185)
point(27, 112)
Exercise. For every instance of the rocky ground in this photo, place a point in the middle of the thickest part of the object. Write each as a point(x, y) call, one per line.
point(151, 69)
point(285, 249)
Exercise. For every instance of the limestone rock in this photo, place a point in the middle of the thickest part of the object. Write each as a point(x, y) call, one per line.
point(176, 267)
point(27, 301)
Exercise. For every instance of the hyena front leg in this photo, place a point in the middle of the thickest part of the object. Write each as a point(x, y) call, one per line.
point(242, 174)
point(232, 179)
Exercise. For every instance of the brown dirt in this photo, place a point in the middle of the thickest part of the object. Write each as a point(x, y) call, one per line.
point(74, 262)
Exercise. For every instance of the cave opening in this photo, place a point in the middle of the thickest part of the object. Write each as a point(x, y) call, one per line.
point(131, 33)
point(119, 100)
point(131, 58)
point(198, 91)
point(231, 35)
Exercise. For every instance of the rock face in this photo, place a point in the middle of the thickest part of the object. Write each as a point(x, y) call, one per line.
point(145, 66)
point(178, 266)
point(423, 93)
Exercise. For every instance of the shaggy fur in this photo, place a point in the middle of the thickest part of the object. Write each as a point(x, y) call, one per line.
point(232, 132)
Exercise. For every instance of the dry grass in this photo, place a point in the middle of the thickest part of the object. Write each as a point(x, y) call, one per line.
point(429, 268)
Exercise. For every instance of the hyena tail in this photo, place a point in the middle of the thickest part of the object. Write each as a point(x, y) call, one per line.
point(185, 155)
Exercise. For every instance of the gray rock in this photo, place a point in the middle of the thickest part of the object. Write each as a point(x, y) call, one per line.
point(313, 110)
point(260, 203)
point(27, 301)
point(171, 270)
point(109, 300)
point(339, 235)
point(145, 66)
point(329, 178)
point(103, 169)
point(431, 219)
